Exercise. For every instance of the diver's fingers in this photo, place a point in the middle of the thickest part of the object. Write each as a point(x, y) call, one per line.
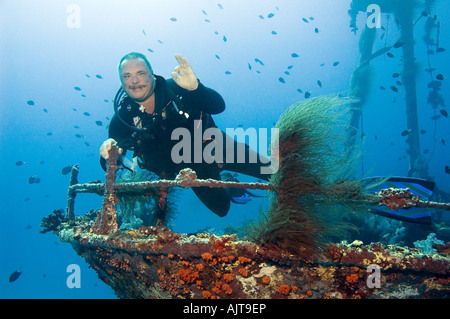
point(104, 153)
point(176, 72)
point(186, 63)
point(179, 58)
point(106, 147)
point(183, 62)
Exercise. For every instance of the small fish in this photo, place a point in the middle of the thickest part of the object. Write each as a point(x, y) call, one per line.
point(259, 61)
point(423, 131)
point(49, 134)
point(204, 12)
point(399, 83)
point(249, 66)
point(79, 135)
point(294, 55)
point(444, 113)
point(390, 55)
point(299, 91)
point(20, 163)
point(28, 227)
point(399, 44)
point(274, 33)
point(86, 114)
point(77, 88)
point(319, 83)
point(87, 75)
point(270, 15)
point(30, 102)
point(224, 39)
point(306, 20)
point(281, 80)
point(160, 42)
point(34, 180)
point(447, 169)
point(443, 142)
point(426, 151)
point(286, 72)
point(227, 72)
point(382, 88)
point(316, 30)
point(98, 76)
point(220, 6)
point(143, 31)
point(290, 67)
point(307, 94)
point(435, 117)
point(173, 19)
point(66, 170)
point(434, 85)
point(14, 276)
point(440, 77)
point(441, 50)
point(86, 143)
point(406, 132)
point(394, 88)
point(395, 75)
point(218, 57)
point(336, 63)
point(45, 110)
point(99, 123)
point(150, 50)
point(261, 17)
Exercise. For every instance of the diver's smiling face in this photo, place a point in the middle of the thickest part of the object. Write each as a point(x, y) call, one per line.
point(137, 79)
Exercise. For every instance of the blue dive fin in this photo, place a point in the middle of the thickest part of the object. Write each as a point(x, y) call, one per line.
point(244, 199)
point(417, 186)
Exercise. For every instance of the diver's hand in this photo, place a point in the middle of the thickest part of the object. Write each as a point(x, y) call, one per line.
point(183, 74)
point(106, 147)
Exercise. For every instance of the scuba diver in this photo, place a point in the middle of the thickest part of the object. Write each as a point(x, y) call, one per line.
point(148, 108)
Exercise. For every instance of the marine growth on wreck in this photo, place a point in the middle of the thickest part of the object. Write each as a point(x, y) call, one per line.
point(287, 253)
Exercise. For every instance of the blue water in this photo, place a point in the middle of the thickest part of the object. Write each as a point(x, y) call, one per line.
point(43, 58)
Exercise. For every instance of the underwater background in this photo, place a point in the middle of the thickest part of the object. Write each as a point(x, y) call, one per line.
point(59, 77)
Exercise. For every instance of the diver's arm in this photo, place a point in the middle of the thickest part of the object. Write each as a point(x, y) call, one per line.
point(118, 134)
point(185, 83)
point(203, 98)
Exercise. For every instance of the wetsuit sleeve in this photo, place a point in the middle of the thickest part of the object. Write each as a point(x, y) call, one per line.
point(202, 98)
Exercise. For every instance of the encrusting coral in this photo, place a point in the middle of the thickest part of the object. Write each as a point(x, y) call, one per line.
point(287, 255)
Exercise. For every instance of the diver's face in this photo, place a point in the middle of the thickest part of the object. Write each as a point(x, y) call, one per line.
point(137, 79)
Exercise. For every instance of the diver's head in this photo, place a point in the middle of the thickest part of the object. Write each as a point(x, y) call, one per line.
point(137, 76)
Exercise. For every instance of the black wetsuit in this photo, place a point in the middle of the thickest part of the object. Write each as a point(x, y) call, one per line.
point(154, 146)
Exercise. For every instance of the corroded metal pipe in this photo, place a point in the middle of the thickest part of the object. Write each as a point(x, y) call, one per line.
point(71, 193)
point(106, 222)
